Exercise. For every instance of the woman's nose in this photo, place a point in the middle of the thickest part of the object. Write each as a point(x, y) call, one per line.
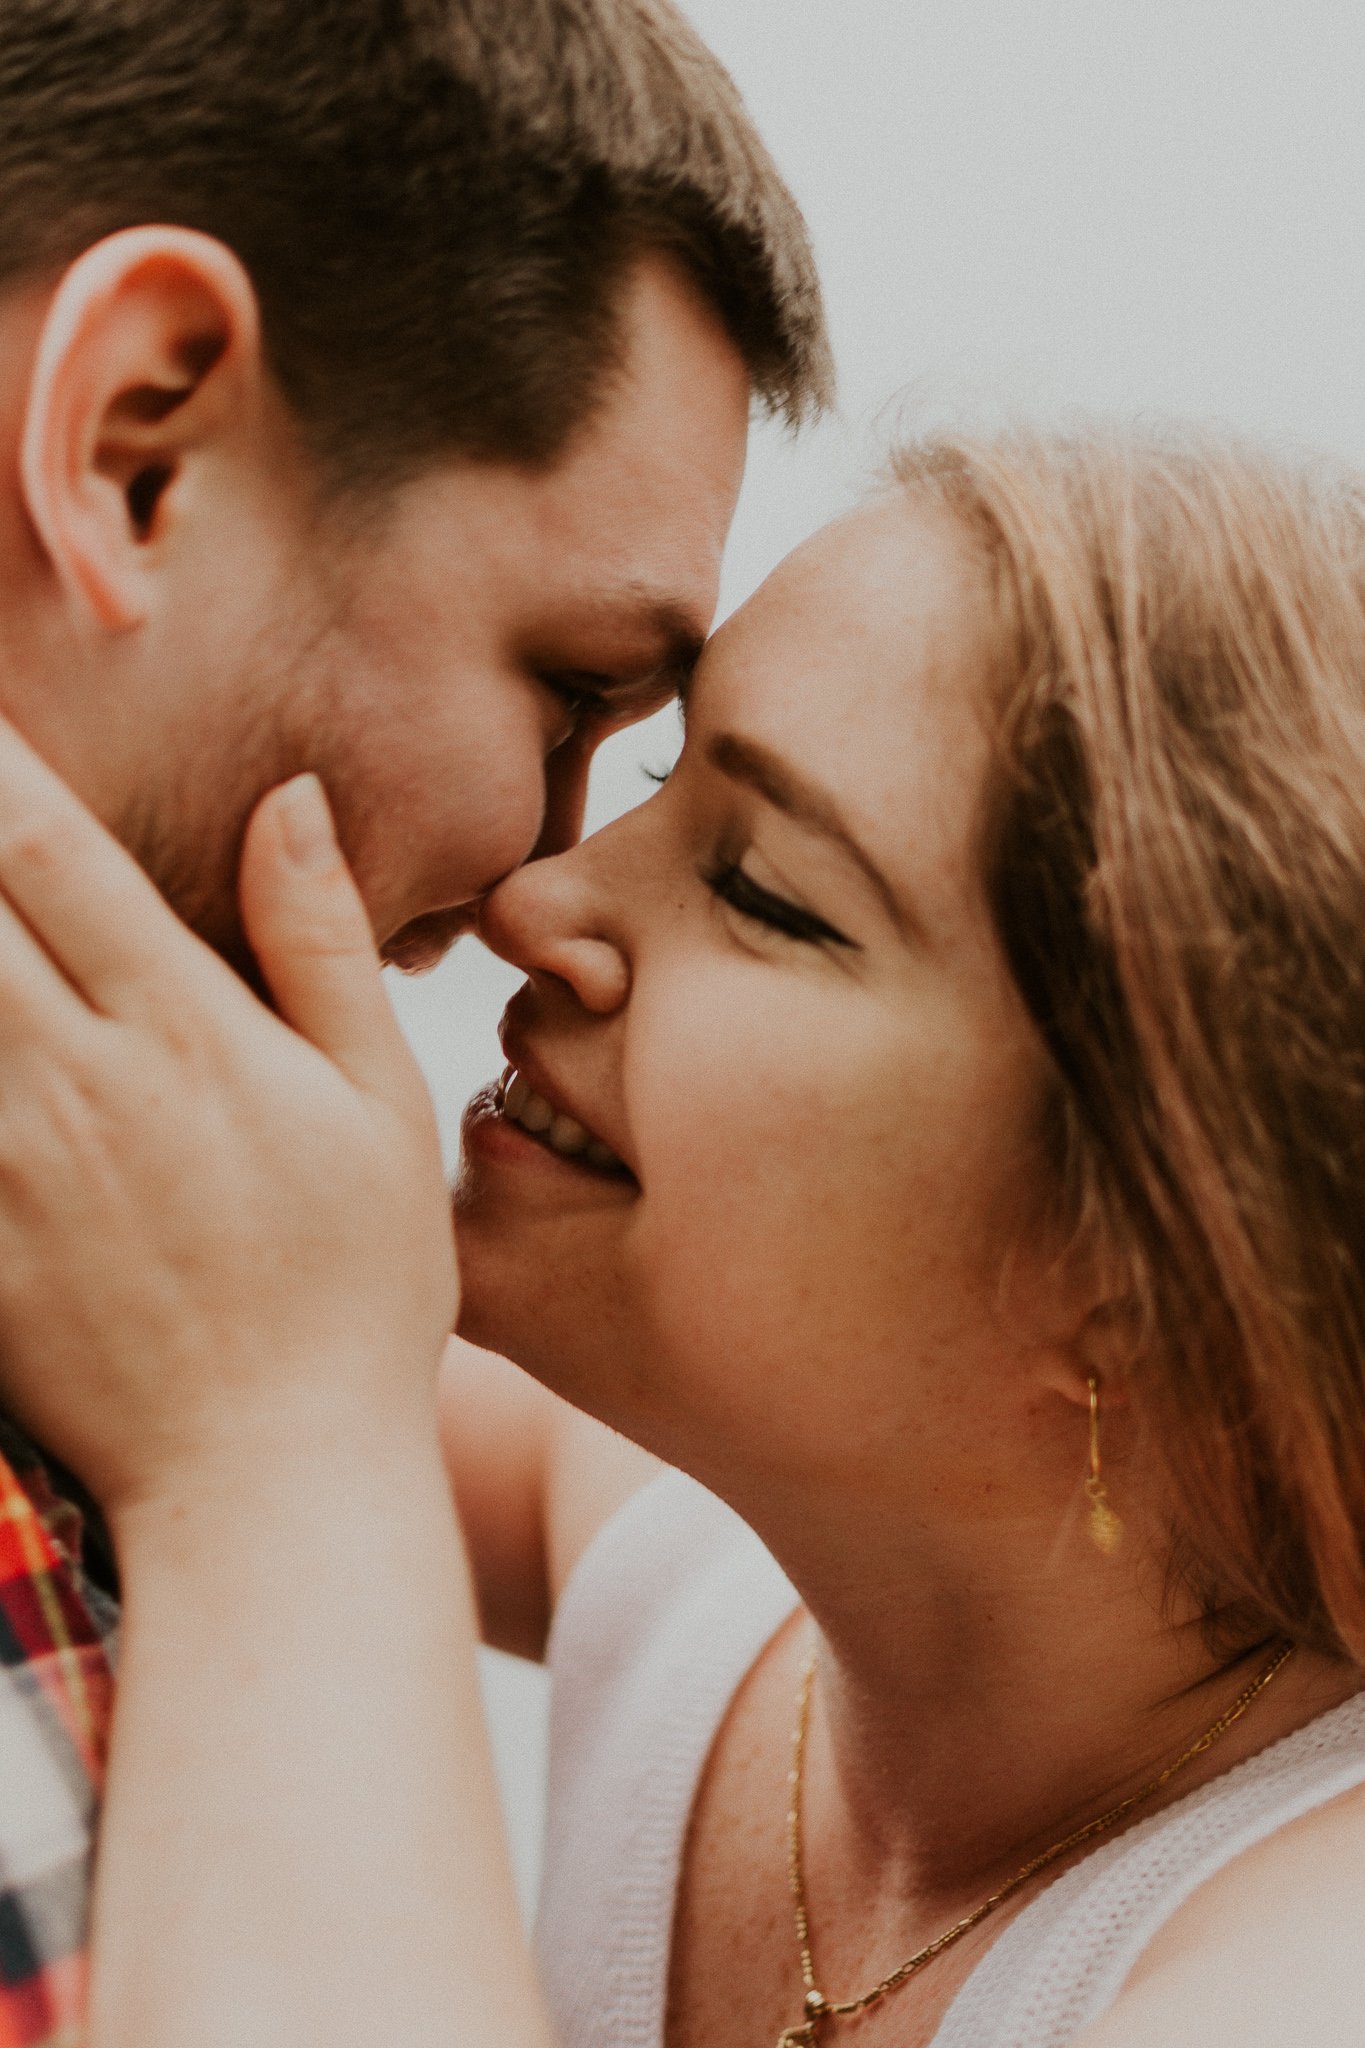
point(547, 919)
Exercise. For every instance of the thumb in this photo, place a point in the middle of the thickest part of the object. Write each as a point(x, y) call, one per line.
point(311, 935)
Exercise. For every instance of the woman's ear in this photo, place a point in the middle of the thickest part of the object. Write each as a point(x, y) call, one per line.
point(1106, 1346)
point(150, 355)
point(1084, 1315)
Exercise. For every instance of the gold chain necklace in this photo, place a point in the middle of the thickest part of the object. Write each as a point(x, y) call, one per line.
point(818, 2007)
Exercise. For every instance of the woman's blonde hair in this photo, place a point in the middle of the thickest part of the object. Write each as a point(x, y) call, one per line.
point(1175, 850)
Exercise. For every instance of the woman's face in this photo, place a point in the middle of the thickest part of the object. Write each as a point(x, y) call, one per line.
point(774, 993)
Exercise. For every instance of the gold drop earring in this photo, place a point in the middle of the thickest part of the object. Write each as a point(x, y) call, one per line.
point(1106, 1530)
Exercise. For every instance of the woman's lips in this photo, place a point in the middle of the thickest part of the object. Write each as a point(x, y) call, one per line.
point(519, 1036)
point(491, 1137)
point(521, 1104)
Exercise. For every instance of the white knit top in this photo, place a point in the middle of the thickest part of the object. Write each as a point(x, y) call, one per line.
point(667, 1611)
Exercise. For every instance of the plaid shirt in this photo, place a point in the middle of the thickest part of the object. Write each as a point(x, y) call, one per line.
point(56, 1698)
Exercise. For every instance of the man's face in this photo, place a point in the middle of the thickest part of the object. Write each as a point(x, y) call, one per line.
point(449, 666)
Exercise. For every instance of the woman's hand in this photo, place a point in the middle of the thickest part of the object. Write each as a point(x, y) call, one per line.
point(226, 1275)
point(218, 1233)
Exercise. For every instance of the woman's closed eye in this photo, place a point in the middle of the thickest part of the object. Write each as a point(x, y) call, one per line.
point(727, 880)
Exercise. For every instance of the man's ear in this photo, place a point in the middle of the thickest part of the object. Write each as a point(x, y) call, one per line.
point(149, 355)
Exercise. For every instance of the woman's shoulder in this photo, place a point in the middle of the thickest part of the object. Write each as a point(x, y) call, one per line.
point(1266, 1950)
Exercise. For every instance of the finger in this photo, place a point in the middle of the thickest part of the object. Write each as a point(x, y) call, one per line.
point(85, 899)
point(39, 1008)
point(311, 935)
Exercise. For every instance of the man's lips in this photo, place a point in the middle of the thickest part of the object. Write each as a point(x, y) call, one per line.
point(424, 941)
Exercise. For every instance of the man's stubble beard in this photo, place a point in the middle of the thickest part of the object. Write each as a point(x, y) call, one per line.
point(291, 706)
point(186, 826)
point(193, 858)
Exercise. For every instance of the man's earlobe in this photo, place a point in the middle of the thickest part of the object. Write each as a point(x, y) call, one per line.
point(150, 353)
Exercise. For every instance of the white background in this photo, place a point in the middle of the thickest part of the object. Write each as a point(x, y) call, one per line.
point(1019, 205)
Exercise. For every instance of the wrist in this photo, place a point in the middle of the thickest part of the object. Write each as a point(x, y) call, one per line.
point(332, 1477)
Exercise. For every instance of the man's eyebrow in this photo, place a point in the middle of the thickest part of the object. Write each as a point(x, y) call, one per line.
point(683, 646)
point(744, 760)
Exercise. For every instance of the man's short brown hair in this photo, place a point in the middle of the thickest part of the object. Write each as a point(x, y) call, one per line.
point(436, 199)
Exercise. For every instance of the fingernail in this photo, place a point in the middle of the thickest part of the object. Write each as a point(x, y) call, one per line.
point(306, 820)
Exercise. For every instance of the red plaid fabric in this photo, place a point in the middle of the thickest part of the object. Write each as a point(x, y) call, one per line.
point(56, 1700)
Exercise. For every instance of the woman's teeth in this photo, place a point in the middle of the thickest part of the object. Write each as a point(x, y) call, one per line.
point(521, 1105)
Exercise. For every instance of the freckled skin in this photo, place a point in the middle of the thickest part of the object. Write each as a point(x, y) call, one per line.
point(833, 1143)
point(833, 1299)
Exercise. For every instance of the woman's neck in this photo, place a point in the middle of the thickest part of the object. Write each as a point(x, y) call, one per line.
point(977, 1701)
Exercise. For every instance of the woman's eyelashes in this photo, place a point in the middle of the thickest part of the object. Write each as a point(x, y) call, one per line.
point(727, 880)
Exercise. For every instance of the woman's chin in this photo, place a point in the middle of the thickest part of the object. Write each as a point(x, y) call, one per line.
point(511, 1303)
point(481, 1322)
point(581, 1331)
point(490, 1313)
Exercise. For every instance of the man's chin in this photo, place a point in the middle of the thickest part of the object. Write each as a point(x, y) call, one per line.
point(414, 949)
point(420, 945)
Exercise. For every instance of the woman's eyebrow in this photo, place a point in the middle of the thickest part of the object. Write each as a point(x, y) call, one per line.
point(745, 760)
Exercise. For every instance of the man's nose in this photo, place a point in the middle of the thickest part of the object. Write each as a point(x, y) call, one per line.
point(566, 796)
